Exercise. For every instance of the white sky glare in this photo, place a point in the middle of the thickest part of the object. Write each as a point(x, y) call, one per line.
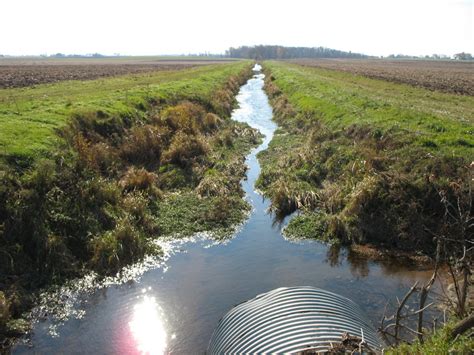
point(147, 27)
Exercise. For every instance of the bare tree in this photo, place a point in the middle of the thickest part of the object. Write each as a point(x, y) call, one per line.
point(458, 238)
point(454, 247)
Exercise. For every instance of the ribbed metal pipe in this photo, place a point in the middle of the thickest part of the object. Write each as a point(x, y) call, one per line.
point(291, 320)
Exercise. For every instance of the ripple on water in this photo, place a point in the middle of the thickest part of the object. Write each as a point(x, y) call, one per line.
point(173, 303)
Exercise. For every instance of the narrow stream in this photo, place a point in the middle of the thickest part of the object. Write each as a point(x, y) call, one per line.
point(175, 307)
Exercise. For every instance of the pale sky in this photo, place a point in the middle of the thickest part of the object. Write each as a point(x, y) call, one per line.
point(147, 27)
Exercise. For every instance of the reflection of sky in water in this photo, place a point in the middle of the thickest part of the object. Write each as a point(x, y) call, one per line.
point(199, 284)
point(147, 327)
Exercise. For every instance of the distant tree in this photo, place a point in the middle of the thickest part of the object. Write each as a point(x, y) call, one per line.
point(280, 52)
point(404, 56)
point(463, 56)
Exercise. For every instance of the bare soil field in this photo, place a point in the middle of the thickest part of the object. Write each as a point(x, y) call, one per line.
point(447, 76)
point(22, 72)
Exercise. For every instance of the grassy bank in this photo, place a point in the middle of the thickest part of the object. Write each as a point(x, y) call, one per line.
point(439, 343)
point(92, 172)
point(30, 117)
point(365, 160)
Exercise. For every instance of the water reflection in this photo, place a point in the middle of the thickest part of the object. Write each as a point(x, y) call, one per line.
point(334, 256)
point(202, 280)
point(360, 265)
point(147, 327)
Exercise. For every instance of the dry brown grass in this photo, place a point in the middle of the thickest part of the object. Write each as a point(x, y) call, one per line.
point(184, 148)
point(187, 117)
point(100, 157)
point(138, 179)
point(143, 145)
point(211, 122)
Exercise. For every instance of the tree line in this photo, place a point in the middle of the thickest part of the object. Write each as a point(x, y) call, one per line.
point(280, 52)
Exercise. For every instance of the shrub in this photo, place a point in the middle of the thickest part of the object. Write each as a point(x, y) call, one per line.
point(281, 201)
point(226, 138)
point(186, 117)
point(97, 125)
point(136, 204)
point(172, 177)
point(289, 196)
point(213, 184)
point(219, 212)
point(100, 157)
point(59, 261)
point(4, 310)
point(332, 197)
point(143, 145)
point(138, 179)
point(184, 148)
point(222, 101)
point(211, 122)
point(117, 247)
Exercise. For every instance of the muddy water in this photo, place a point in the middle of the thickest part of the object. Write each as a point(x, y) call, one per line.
point(174, 307)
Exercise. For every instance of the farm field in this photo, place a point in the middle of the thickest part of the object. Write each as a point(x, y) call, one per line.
point(448, 76)
point(21, 72)
point(364, 159)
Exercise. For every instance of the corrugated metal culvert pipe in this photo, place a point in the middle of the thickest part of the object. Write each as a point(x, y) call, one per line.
point(292, 320)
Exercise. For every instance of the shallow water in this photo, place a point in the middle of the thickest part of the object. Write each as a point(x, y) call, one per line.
point(174, 307)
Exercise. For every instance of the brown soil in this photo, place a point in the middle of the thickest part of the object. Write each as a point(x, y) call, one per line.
point(22, 72)
point(447, 76)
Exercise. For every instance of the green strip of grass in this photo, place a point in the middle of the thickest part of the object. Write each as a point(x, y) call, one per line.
point(442, 122)
point(30, 116)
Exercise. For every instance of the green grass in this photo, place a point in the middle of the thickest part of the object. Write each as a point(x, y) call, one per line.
point(364, 159)
point(442, 122)
point(439, 343)
point(29, 117)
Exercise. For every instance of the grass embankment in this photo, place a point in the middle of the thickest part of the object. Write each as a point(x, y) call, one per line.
point(136, 158)
point(439, 343)
point(30, 116)
point(365, 160)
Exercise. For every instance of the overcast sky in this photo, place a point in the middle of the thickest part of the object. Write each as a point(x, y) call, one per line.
point(143, 27)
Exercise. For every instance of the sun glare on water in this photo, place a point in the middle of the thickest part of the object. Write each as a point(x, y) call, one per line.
point(147, 327)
